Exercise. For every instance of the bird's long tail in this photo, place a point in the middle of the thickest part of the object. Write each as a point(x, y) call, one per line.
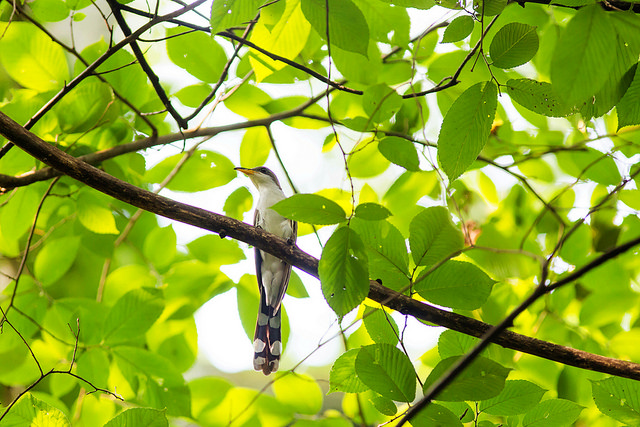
point(266, 341)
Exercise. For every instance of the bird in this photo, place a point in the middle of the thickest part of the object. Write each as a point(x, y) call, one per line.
point(272, 272)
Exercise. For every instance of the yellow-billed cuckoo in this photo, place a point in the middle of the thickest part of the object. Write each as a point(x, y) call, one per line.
point(273, 273)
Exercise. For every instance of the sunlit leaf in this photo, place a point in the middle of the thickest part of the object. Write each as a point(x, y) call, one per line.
point(343, 375)
point(388, 371)
point(513, 45)
point(372, 212)
point(30, 411)
point(400, 151)
point(133, 314)
point(481, 380)
point(286, 37)
point(204, 170)
point(380, 326)
point(458, 29)
point(31, 58)
point(146, 417)
point(517, 397)
point(433, 236)
point(300, 392)
point(617, 398)
point(552, 412)
point(466, 127)
point(310, 208)
point(538, 97)
point(56, 258)
point(231, 13)
point(197, 53)
point(583, 56)
point(343, 271)
point(348, 27)
point(455, 284)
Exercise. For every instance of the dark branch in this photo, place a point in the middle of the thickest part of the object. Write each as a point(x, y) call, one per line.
point(153, 78)
point(8, 181)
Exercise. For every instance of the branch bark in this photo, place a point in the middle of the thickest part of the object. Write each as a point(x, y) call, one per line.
point(279, 247)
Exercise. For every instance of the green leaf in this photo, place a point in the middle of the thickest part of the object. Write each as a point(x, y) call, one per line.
point(366, 161)
point(255, 147)
point(87, 105)
point(381, 103)
point(400, 151)
point(192, 96)
point(142, 417)
point(238, 202)
point(310, 209)
point(300, 392)
point(489, 7)
point(232, 13)
point(455, 284)
point(18, 214)
point(31, 58)
point(287, 37)
point(197, 53)
point(436, 415)
point(452, 343)
point(618, 398)
point(93, 365)
point(343, 271)
point(458, 29)
point(552, 413)
point(296, 288)
point(629, 106)
point(343, 376)
point(387, 371)
point(517, 397)
point(30, 411)
point(133, 314)
point(204, 170)
point(513, 45)
point(481, 380)
point(386, 24)
point(631, 198)
point(94, 214)
point(384, 405)
point(590, 164)
point(538, 97)
point(465, 128)
point(583, 56)
point(372, 212)
point(348, 27)
point(380, 326)
point(386, 251)
point(160, 246)
point(130, 82)
point(123, 279)
point(55, 259)
point(49, 10)
point(216, 251)
point(433, 237)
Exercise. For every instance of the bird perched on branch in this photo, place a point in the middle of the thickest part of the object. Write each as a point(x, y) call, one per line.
point(273, 273)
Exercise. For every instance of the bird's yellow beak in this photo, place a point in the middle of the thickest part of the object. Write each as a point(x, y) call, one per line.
point(246, 171)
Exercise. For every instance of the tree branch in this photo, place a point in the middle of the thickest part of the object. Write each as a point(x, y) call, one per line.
point(279, 247)
point(151, 75)
point(8, 182)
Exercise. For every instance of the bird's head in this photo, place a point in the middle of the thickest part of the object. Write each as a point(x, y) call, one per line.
point(260, 176)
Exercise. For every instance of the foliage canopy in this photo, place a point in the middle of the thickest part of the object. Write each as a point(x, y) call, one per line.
point(483, 161)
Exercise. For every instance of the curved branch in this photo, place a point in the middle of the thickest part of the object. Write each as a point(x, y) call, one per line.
point(8, 182)
point(279, 247)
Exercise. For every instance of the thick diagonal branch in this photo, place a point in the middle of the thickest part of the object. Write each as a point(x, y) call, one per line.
point(238, 230)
